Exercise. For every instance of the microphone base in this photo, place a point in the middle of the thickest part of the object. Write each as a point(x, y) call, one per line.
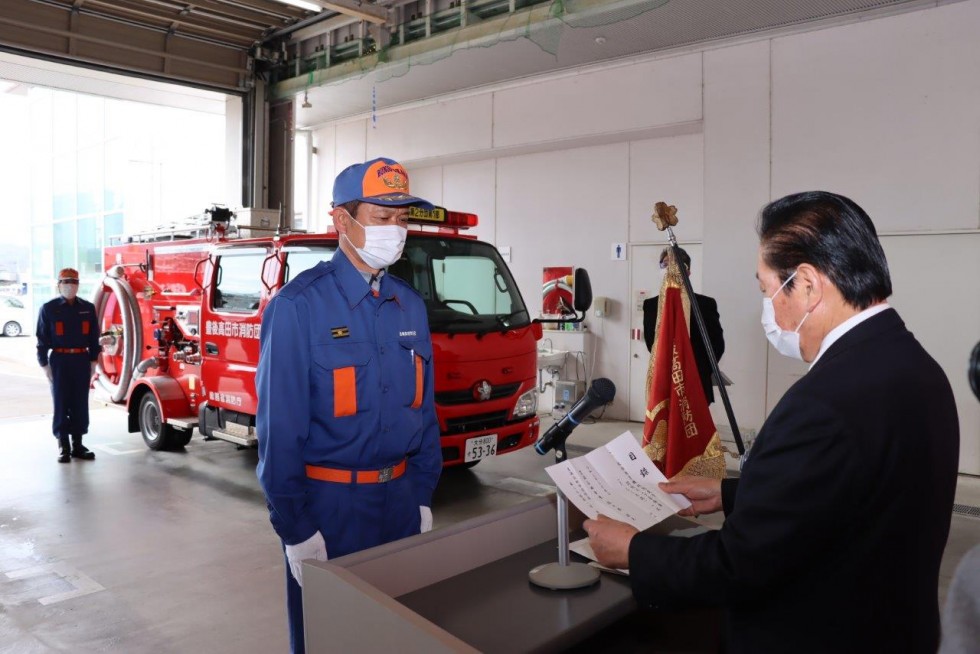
point(556, 576)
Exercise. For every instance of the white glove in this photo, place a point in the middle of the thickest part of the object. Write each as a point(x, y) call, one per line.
point(311, 548)
point(48, 373)
point(426, 524)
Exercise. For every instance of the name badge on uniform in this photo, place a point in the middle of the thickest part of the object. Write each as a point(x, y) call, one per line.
point(340, 332)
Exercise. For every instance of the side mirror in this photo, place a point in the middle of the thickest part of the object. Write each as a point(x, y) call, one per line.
point(973, 371)
point(583, 290)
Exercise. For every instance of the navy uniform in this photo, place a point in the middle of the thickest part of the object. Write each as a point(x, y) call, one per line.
point(348, 436)
point(67, 348)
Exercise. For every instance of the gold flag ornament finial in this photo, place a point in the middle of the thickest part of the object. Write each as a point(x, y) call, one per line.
point(664, 215)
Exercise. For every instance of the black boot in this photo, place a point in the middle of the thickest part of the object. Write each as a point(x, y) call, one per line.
point(65, 456)
point(78, 450)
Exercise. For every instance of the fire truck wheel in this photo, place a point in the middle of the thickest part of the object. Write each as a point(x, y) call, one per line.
point(157, 434)
point(182, 437)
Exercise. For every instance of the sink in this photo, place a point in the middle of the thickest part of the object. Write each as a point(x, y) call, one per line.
point(551, 358)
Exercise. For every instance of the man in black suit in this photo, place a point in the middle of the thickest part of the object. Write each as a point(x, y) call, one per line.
point(709, 311)
point(834, 533)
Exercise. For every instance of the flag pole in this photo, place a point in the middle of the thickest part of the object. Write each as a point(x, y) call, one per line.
point(664, 217)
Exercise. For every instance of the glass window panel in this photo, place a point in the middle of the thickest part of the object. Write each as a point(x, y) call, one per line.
point(89, 246)
point(64, 245)
point(64, 184)
point(114, 229)
point(91, 120)
point(120, 119)
point(42, 194)
point(465, 284)
point(64, 130)
point(115, 174)
point(301, 172)
point(42, 259)
point(40, 125)
point(90, 184)
point(239, 285)
point(300, 258)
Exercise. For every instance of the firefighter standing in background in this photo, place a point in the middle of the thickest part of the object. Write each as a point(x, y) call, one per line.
point(349, 451)
point(68, 349)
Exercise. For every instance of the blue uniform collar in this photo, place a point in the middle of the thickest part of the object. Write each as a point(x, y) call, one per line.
point(353, 284)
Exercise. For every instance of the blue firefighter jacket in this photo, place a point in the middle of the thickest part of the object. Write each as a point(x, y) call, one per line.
point(344, 380)
point(64, 324)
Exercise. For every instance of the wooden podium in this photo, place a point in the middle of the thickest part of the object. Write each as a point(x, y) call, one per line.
point(465, 588)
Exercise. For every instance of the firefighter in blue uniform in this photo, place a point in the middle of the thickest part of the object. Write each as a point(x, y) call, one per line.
point(68, 349)
point(349, 451)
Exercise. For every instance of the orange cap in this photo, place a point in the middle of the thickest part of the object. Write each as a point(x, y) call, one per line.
point(379, 181)
point(68, 273)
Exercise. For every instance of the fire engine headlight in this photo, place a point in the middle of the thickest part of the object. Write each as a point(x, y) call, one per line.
point(527, 404)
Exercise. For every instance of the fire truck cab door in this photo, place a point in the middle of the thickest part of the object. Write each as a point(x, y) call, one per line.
point(231, 325)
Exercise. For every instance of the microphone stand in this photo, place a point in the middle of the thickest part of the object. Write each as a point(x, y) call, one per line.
point(565, 574)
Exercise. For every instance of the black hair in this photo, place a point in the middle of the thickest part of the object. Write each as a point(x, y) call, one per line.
point(685, 257)
point(831, 233)
point(351, 207)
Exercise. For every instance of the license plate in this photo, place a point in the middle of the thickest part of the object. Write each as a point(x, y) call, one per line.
point(480, 447)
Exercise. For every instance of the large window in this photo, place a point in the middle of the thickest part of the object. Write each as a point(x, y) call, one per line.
point(302, 257)
point(101, 168)
point(239, 285)
point(466, 285)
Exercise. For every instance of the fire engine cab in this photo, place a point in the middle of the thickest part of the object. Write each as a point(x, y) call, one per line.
point(181, 315)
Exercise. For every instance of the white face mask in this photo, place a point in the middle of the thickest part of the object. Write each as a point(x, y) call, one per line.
point(383, 244)
point(68, 291)
point(786, 343)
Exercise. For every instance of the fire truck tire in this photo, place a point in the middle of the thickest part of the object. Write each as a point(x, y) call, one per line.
point(157, 434)
point(182, 437)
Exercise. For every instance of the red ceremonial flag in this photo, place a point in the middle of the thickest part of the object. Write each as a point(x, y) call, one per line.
point(678, 433)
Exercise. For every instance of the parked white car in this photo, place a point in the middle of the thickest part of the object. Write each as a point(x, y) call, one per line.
point(14, 316)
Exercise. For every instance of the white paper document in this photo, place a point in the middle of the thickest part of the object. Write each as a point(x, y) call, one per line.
point(617, 480)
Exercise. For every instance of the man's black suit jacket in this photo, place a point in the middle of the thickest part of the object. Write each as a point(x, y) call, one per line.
point(834, 532)
point(709, 311)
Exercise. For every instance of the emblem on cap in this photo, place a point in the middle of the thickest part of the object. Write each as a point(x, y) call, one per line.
point(482, 390)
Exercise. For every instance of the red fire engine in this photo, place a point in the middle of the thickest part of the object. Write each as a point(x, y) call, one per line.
point(181, 315)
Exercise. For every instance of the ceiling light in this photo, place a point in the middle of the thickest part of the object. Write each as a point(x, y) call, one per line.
point(306, 101)
point(303, 4)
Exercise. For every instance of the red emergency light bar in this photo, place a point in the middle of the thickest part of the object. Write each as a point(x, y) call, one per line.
point(442, 218)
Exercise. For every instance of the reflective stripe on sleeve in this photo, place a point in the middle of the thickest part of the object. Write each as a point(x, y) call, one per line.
point(419, 382)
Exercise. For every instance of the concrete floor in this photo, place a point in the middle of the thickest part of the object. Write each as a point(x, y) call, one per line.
point(141, 551)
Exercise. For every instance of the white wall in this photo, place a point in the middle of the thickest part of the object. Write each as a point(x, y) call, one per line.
point(561, 167)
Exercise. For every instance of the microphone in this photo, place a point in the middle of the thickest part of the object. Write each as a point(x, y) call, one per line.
point(602, 391)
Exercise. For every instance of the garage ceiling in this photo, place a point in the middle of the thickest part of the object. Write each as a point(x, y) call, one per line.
point(590, 31)
point(200, 42)
point(211, 43)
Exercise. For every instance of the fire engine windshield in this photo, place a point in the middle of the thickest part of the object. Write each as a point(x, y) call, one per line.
point(466, 286)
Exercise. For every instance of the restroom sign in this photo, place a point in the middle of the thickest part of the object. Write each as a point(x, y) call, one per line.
point(619, 252)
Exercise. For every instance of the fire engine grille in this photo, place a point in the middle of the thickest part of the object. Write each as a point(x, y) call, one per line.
point(465, 396)
point(480, 422)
